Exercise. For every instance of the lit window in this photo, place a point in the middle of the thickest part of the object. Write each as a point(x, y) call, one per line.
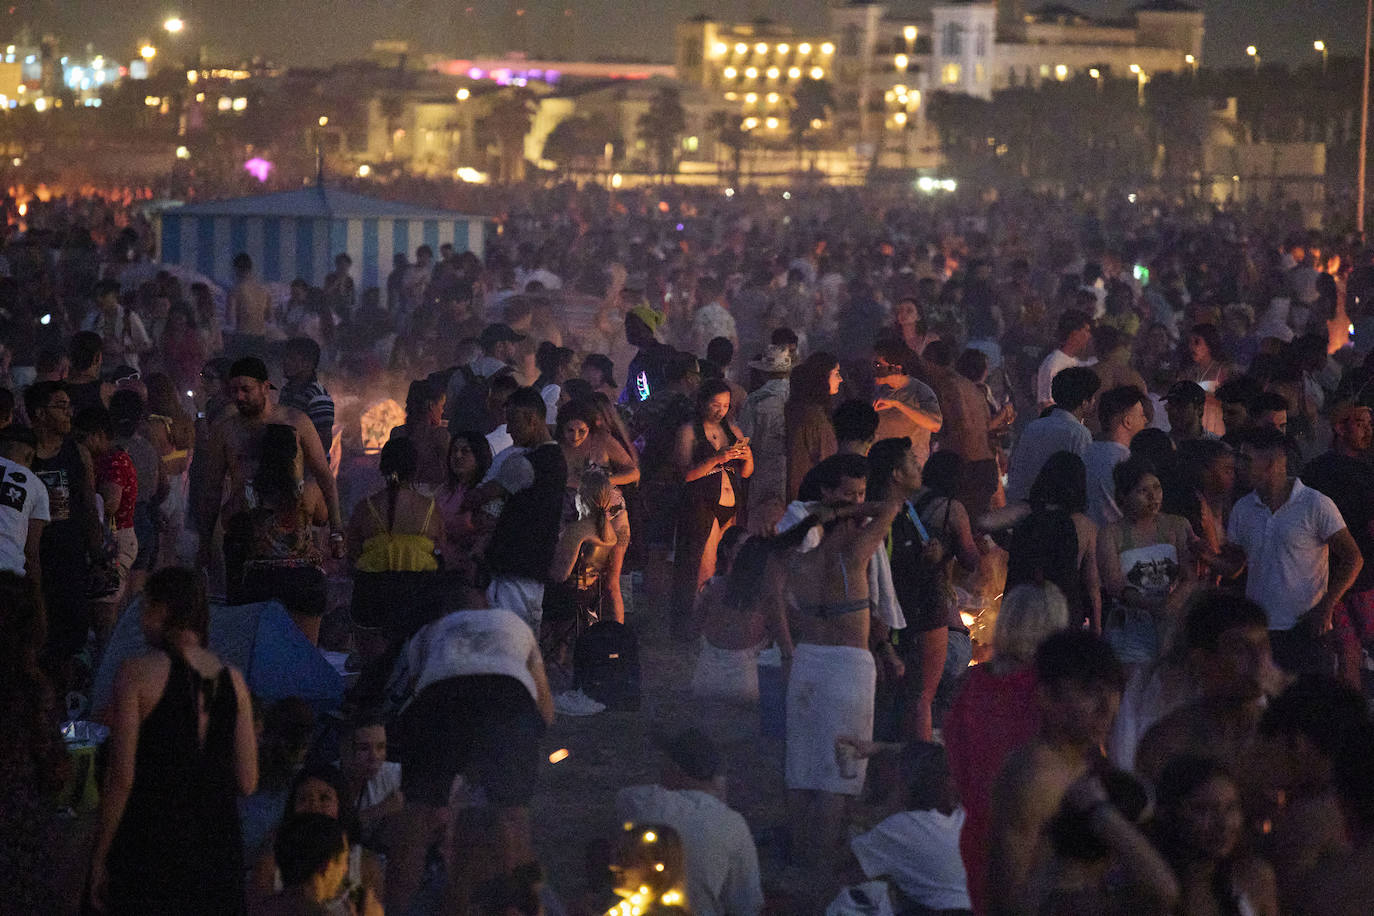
point(784, 48)
point(804, 48)
point(741, 47)
point(750, 123)
point(752, 73)
point(752, 98)
point(817, 73)
point(730, 73)
point(949, 74)
point(827, 48)
point(773, 73)
point(1061, 72)
point(719, 49)
point(731, 96)
point(761, 48)
point(794, 73)
point(771, 123)
point(773, 98)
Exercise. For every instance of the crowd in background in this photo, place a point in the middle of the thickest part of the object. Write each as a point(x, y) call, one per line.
point(1041, 527)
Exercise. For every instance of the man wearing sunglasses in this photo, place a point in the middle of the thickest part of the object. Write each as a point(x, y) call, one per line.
point(906, 406)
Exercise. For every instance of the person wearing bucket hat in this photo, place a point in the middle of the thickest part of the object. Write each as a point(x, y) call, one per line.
point(648, 370)
point(722, 861)
point(762, 419)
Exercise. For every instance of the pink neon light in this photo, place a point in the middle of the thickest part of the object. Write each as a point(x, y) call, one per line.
point(259, 168)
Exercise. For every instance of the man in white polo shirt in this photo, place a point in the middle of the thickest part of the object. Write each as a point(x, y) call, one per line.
point(1300, 556)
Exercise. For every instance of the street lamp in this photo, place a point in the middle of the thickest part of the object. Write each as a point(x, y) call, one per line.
point(1140, 78)
point(1254, 55)
point(147, 52)
point(174, 25)
point(1320, 47)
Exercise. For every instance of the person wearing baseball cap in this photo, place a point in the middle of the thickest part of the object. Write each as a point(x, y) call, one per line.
point(722, 861)
point(233, 448)
point(1184, 403)
point(1345, 475)
point(498, 349)
point(648, 369)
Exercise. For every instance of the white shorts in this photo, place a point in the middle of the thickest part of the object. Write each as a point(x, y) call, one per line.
point(829, 696)
point(726, 674)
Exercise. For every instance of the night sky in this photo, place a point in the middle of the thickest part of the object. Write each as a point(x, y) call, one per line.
point(319, 31)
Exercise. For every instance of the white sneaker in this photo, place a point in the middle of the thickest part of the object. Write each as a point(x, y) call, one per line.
point(577, 703)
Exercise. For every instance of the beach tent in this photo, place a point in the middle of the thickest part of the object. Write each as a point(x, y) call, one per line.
point(293, 234)
point(260, 640)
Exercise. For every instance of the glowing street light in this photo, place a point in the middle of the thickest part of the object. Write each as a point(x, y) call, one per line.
point(900, 61)
point(324, 120)
point(1254, 54)
point(1320, 47)
point(174, 25)
point(909, 33)
point(147, 52)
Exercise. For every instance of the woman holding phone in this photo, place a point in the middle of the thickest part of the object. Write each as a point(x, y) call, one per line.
point(713, 457)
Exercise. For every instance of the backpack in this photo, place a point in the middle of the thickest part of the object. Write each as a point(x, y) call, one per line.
point(606, 665)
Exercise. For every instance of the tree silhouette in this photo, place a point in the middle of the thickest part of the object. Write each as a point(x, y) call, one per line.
point(661, 126)
point(726, 126)
point(578, 143)
point(812, 101)
point(507, 124)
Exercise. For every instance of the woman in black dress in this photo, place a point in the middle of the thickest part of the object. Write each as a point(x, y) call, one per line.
point(714, 459)
point(181, 750)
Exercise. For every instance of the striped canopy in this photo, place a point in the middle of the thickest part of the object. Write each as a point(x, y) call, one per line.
point(297, 234)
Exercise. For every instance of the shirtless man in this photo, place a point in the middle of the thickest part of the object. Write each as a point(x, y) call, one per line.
point(1227, 639)
point(833, 677)
point(1079, 684)
point(233, 449)
point(249, 304)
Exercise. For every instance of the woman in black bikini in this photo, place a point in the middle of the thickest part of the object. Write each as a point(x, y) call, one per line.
point(714, 457)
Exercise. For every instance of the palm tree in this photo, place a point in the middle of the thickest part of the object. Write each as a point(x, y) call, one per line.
point(812, 101)
point(726, 126)
point(508, 122)
point(661, 126)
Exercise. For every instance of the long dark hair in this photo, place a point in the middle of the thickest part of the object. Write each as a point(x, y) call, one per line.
point(398, 465)
point(1183, 776)
point(810, 384)
point(275, 483)
point(1062, 482)
point(182, 592)
point(481, 450)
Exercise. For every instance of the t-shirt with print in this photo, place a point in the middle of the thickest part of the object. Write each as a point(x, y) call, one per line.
point(117, 467)
point(23, 498)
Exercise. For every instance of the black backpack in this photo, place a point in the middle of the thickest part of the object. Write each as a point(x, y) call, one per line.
point(606, 665)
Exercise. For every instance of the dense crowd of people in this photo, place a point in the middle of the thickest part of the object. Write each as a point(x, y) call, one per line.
point(1036, 532)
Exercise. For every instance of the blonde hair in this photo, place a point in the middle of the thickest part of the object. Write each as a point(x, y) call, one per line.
point(1029, 613)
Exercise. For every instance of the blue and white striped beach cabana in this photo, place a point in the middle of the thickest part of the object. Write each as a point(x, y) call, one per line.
point(297, 234)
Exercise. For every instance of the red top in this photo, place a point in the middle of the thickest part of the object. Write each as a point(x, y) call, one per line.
point(117, 467)
point(992, 716)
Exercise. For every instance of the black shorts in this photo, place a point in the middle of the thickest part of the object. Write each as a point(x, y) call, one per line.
point(484, 726)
